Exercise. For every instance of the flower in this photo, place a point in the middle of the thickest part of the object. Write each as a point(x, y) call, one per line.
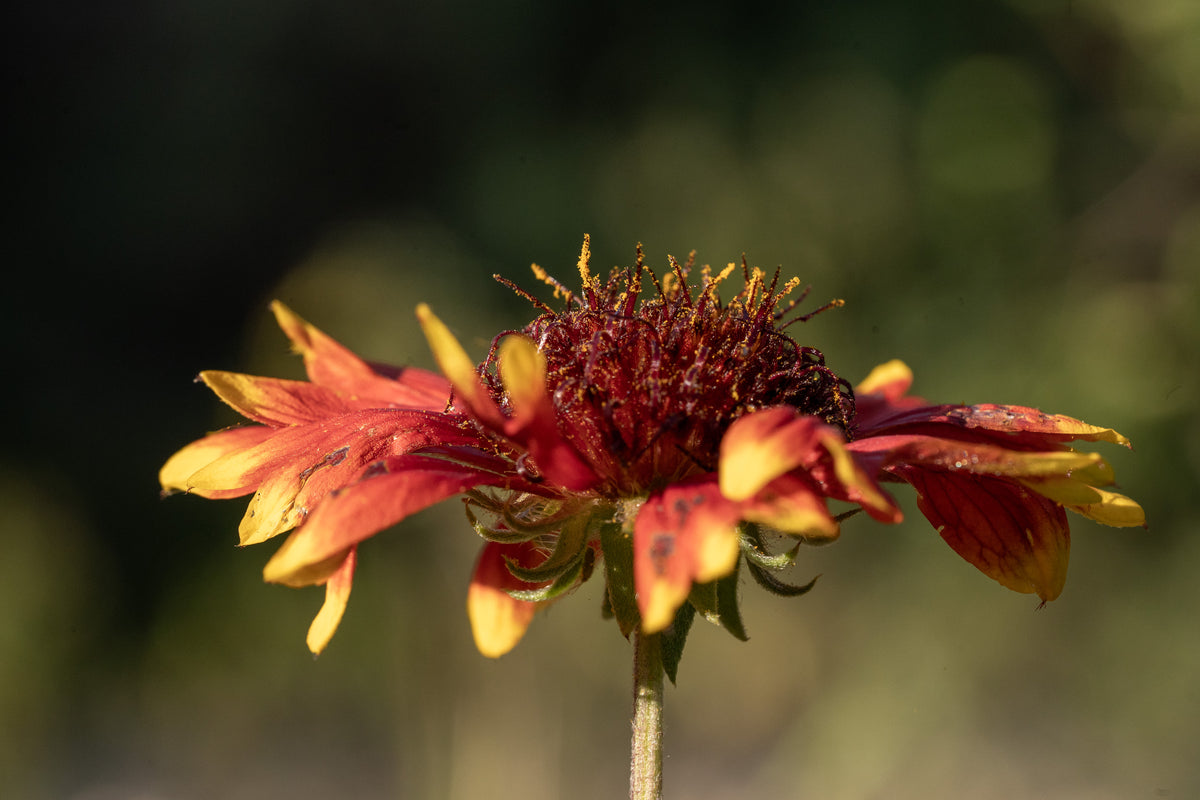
point(659, 433)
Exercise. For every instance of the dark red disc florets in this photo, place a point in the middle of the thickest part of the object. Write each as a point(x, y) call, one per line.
point(645, 388)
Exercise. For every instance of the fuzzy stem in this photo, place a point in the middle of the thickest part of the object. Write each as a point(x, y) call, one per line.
point(645, 769)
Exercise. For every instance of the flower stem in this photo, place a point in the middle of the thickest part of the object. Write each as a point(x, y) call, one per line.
point(645, 768)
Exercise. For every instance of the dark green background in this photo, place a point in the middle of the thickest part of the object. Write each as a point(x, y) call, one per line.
point(1006, 194)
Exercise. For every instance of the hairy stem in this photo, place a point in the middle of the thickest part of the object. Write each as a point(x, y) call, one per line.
point(645, 769)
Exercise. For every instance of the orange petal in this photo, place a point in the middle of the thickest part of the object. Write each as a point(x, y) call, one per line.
point(1107, 508)
point(790, 505)
point(337, 594)
point(761, 446)
point(854, 484)
point(458, 367)
point(499, 620)
point(765, 445)
point(176, 474)
point(402, 486)
point(686, 533)
point(273, 401)
point(296, 467)
point(333, 365)
point(1010, 533)
point(892, 380)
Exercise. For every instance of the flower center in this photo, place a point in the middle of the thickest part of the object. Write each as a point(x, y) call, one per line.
point(645, 387)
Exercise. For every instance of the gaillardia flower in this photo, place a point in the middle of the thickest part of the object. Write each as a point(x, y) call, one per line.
point(659, 433)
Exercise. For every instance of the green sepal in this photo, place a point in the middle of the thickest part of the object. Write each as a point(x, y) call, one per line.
point(718, 602)
point(547, 524)
point(704, 597)
point(755, 550)
point(617, 544)
point(775, 586)
point(561, 584)
point(727, 605)
point(675, 637)
point(568, 548)
point(493, 535)
point(606, 610)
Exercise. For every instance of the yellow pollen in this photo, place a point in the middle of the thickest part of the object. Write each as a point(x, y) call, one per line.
point(585, 257)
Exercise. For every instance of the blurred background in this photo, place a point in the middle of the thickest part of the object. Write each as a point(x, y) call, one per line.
point(1006, 193)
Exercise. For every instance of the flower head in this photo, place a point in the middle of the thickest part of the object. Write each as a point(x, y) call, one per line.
point(657, 430)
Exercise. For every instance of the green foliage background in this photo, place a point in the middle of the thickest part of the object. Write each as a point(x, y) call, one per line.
point(1006, 193)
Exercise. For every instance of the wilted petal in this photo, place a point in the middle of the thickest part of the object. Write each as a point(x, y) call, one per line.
point(686, 533)
point(403, 486)
point(534, 424)
point(337, 594)
point(1068, 477)
point(1010, 533)
point(176, 473)
point(331, 364)
point(499, 620)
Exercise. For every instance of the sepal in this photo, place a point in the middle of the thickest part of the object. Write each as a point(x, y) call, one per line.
point(617, 544)
point(674, 637)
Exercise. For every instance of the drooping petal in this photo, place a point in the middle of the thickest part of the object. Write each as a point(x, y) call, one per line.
point(175, 474)
point(499, 620)
point(534, 423)
point(1065, 476)
point(333, 365)
point(1012, 534)
point(337, 594)
point(400, 486)
point(458, 367)
point(683, 534)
